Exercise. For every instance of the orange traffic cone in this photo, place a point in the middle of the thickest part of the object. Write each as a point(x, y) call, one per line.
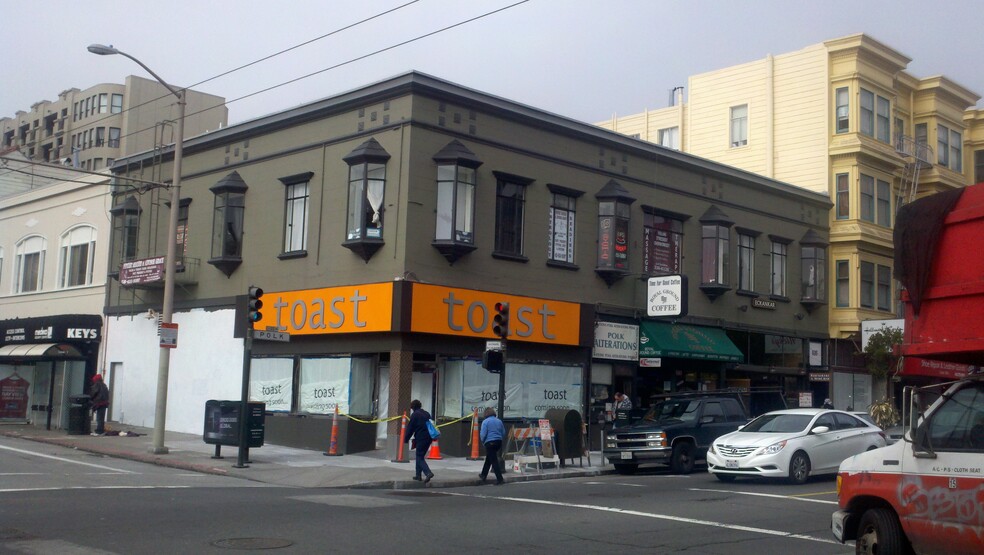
point(399, 452)
point(333, 446)
point(434, 453)
point(474, 439)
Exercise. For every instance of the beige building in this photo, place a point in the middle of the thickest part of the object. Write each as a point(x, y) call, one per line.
point(91, 128)
point(842, 117)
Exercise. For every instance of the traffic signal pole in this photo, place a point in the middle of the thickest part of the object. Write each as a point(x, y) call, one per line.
point(253, 314)
point(500, 326)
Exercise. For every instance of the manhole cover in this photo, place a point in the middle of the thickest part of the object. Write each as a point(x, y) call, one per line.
point(253, 543)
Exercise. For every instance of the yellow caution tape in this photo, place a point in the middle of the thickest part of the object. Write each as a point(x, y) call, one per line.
point(359, 420)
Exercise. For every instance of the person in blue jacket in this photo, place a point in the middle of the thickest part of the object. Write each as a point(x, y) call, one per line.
point(491, 435)
point(417, 429)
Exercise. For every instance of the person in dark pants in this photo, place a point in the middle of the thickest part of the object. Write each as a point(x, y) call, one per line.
point(491, 435)
point(417, 429)
point(100, 402)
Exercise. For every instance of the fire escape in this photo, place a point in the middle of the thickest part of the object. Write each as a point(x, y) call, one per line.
point(917, 155)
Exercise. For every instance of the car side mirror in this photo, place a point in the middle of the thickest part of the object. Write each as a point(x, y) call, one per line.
point(740, 427)
point(820, 430)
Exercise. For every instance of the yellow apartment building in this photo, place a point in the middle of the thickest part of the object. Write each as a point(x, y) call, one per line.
point(842, 117)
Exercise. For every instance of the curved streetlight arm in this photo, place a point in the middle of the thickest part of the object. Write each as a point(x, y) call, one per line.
point(170, 260)
point(103, 50)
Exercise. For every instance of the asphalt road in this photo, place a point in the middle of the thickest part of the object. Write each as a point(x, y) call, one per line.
point(56, 500)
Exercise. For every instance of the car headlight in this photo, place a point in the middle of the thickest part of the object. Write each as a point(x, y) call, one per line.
point(711, 449)
point(611, 437)
point(774, 448)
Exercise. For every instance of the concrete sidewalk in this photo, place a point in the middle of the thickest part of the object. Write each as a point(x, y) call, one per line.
point(286, 466)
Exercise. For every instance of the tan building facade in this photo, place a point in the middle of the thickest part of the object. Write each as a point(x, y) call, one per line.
point(843, 118)
point(91, 128)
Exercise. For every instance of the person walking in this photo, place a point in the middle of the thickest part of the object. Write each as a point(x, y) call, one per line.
point(491, 435)
point(417, 429)
point(99, 394)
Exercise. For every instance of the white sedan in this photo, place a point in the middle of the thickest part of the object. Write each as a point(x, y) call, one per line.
point(793, 443)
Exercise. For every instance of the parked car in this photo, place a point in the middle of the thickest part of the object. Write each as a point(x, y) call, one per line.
point(793, 443)
point(675, 431)
point(892, 433)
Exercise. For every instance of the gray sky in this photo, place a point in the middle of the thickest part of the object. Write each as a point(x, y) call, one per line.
point(578, 58)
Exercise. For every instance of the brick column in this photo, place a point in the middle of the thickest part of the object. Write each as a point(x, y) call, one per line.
point(400, 381)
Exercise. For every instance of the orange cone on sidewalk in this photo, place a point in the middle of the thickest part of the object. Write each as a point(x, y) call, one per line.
point(434, 453)
point(399, 452)
point(474, 439)
point(333, 446)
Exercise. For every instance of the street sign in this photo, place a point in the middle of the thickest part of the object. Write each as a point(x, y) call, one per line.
point(268, 335)
point(169, 335)
point(493, 345)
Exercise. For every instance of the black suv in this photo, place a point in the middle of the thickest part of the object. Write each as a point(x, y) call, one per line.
point(676, 430)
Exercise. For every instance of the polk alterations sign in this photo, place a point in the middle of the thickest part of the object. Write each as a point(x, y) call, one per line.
point(667, 296)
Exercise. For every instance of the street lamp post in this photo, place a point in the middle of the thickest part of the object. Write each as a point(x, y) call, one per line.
point(170, 260)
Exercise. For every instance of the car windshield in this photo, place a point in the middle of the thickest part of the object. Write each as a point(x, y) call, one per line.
point(779, 423)
point(681, 410)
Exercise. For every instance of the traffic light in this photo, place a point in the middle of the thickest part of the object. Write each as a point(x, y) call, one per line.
point(254, 304)
point(493, 361)
point(500, 322)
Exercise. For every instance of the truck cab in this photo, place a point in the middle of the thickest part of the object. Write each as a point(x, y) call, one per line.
point(924, 494)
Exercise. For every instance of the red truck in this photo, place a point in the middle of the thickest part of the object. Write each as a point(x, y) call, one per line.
point(925, 493)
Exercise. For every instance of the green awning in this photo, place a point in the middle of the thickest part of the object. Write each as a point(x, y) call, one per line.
point(658, 339)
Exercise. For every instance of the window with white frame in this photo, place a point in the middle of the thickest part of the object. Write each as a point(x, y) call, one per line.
point(779, 253)
point(843, 278)
point(884, 288)
point(949, 146)
point(876, 200)
point(746, 261)
point(29, 264)
point(78, 250)
point(739, 125)
point(117, 106)
point(883, 122)
point(561, 227)
point(669, 137)
point(843, 110)
point(103, 103)
point(883, 203)
point(843, 196)
point(867, 285)
point(867, 113)
point(296, 196)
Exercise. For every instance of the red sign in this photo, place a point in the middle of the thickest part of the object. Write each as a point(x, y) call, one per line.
point(169, 335)
point(916, 366)
point(13, 397)
point(147, 270)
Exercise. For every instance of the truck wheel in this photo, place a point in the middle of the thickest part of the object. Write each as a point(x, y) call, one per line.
point(626, 468)
point(799, 468)
point(880, 532)
point(682, 459)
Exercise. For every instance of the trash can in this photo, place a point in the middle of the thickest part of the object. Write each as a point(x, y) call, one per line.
point(78, 415)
